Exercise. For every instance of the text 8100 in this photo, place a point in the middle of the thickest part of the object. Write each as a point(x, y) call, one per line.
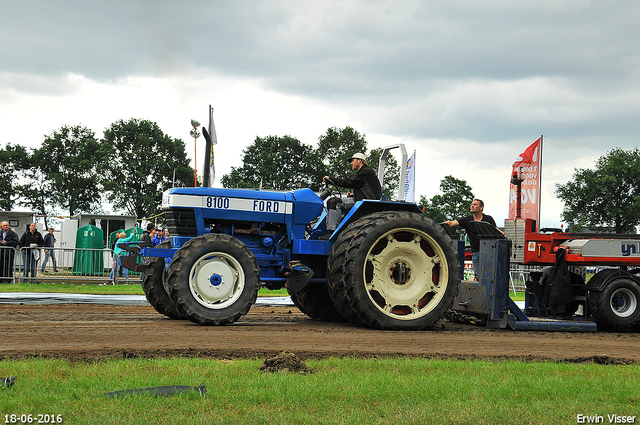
point(41, 418)
point(215, 202)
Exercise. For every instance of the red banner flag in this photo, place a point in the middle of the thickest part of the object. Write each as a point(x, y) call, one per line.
point(527, 167)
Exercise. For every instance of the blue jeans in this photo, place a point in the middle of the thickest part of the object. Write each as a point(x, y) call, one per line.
point(117, 262)
point(49, 253)
point(29, 263)
point(475, 259)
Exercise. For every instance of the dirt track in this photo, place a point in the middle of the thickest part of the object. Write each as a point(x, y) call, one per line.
point(85, 332)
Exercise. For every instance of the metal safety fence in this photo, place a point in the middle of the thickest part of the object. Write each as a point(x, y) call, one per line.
point(73, 265)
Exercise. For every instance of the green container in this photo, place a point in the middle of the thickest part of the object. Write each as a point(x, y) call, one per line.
point(89, 259)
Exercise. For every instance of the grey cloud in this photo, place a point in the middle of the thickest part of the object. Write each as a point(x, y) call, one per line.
point(376, 41)
point(427, 68)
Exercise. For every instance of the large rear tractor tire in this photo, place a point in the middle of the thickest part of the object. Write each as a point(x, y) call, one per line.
point(394, 270)
point(314, 301)
point(214, 279)
point(155, 289)
point(618, 306)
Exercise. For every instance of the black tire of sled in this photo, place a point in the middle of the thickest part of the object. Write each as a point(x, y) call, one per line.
point(346, 269)
point(153, 285)
point(181, 268)
point(602, 311)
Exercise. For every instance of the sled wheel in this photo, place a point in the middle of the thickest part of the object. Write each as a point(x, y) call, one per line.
point(314, 301)
point(214, 279)
point(395, 269)
point(154, 286)
point(617, 306)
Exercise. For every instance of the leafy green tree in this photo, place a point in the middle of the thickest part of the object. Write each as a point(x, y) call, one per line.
point(140, 163)
point(284, 163)
point(452, 203)
point(276, 163)
point(68, 159)
point(35, 189)
point(14, 159)
point(432, 209)
point(335, 147)
point(607, 196)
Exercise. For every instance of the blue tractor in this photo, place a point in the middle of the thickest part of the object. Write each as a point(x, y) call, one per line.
point(387, 266)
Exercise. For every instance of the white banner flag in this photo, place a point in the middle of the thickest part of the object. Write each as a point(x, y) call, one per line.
point(214, 141)
point(410, 180)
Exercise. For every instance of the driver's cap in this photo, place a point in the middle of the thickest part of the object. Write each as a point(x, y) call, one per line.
point(357, 156)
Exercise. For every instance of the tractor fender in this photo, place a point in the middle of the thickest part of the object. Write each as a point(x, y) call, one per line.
point(366, 207)
point(601, 279)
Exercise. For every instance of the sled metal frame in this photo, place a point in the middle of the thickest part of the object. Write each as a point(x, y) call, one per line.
point(489, 296)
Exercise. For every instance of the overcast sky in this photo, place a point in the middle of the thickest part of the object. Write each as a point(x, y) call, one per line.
point(468, 85)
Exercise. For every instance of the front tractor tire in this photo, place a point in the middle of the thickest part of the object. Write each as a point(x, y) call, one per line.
point(214, 279)
point(617, 306)
point(393, 270)
point(154, 287)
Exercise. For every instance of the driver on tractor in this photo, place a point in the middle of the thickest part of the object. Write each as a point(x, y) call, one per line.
point(365, 185)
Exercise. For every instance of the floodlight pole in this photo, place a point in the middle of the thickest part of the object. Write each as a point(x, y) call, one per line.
point(195, 134)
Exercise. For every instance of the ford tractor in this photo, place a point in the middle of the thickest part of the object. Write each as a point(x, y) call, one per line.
point(386, 266)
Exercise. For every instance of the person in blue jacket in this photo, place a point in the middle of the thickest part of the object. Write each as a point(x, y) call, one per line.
point(161, 236)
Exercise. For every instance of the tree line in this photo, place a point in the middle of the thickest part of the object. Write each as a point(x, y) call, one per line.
point(74, 172)
point(284, 163)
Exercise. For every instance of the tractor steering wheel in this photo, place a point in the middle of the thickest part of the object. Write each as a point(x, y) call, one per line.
point(327, 192)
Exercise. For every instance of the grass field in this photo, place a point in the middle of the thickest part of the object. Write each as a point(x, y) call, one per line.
point(339, 391)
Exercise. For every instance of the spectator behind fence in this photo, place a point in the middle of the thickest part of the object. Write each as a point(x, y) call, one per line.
point(117, 253)
point(10, 241)
point(148, 235)
point(160, 237)
point(30, 242)
point(49, 241)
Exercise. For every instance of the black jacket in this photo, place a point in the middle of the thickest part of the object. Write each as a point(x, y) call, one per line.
point(146, 238)
point(28, 238)
point(365, 184)
point(12, 238)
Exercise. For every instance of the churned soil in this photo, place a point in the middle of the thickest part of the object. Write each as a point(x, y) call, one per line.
point(84, 332)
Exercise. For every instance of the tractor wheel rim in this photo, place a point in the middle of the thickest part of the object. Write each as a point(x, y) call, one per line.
point(623, 302)
point(216, 280)
point(406, 273)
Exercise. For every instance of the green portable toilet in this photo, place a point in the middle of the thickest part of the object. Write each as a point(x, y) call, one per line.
point(88, 259)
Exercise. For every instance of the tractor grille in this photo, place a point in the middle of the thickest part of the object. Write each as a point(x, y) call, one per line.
point(181, 222)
